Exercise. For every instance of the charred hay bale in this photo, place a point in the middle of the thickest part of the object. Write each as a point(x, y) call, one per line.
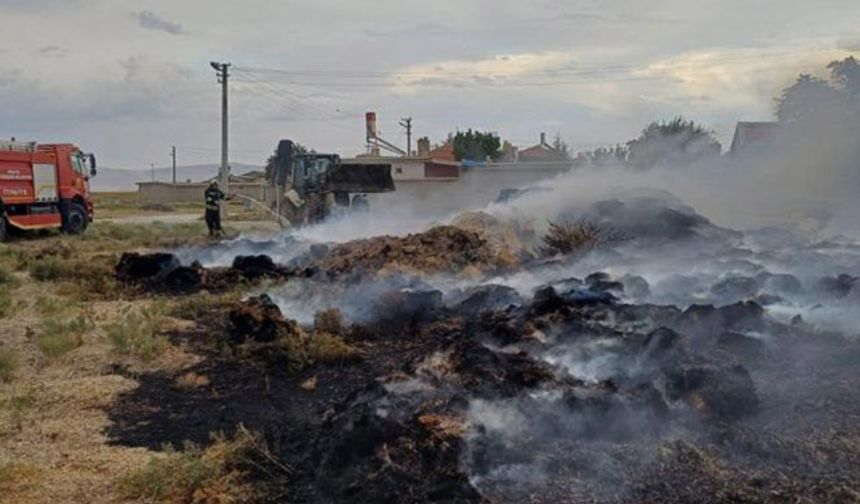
point(254, 267)
point(160, 272)
point(745, 315)
point(550, 298)
point(664, 344)
point(475, 300)
point(407, 305)
point(387, 448)
point(742, 345)
point(719, 393)
point(141, 268)
point(602, 282)
point(182, 279)
point(492, 374)
point(838, 286)
point(606, 412)
point(259, 319)
point(635, 286)
point(736, 288)
point(707, 321)
point(780, 283)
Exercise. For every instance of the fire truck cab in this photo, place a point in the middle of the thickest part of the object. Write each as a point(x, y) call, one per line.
point(45, 186)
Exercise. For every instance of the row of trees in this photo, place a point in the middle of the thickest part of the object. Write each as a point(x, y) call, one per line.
point(809, 101)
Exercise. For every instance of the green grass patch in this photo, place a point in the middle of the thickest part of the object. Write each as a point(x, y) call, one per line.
point(50, 269)
point(60, 336)
point(138, 333)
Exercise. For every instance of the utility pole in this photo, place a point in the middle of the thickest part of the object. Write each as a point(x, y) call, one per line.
point(406, 122)
point(173, 156)
point(223, 76)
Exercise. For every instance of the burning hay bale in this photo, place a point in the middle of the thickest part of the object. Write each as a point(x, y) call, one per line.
point(442, 249)
point(506, 238)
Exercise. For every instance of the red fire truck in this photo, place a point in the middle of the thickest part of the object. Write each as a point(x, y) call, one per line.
point(45, 186)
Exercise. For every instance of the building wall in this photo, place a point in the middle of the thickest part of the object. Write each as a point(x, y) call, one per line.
point(166, 193)
point(476, 188)
point(406, 169)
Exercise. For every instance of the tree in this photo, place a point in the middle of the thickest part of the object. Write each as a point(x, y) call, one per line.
point(476, 146)
point(605, 155)
point(846, 75)
point(678, 141)
point(561, 147)
point(809, 99)
point(273, 157)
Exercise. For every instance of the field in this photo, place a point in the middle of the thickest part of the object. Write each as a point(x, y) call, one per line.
point(410, 369)
point(71, 342)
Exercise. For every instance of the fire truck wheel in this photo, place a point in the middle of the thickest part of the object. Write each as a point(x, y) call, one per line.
point(76, 220)
point(4, 233)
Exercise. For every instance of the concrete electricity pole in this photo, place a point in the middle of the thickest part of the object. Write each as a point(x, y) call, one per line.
point(223, 76)
point(406, 122)
point(173, 156)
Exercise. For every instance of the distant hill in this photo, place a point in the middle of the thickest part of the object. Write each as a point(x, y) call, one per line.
point(111, 179)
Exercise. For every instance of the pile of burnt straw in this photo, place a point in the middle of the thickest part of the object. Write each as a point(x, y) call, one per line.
point(490, 396)
point(442, 249)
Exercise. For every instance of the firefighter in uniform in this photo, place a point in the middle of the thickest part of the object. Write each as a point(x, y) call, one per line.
point(213, 196)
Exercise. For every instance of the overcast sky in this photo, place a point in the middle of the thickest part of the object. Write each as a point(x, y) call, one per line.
point(128, 79)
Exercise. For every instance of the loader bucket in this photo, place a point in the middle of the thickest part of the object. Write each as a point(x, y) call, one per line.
point(361, 178)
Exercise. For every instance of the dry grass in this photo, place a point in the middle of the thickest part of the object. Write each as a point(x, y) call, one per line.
point(567, 237)
point(330, 349)
point(120, 204)
point(201, 304)
point(6, 304)
point(216, 474)
point(53, 418)
point(15, 477)
point(15, 407)
point(329, 321)
point(191, 381)
point(7, 278)
point(8, 364)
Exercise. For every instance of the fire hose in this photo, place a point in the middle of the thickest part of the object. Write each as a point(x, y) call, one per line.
point(283, 222)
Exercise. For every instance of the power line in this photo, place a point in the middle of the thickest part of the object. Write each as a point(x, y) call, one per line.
point(502, 78)
point(304, 101)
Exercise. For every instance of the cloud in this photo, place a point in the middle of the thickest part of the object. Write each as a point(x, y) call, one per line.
point(152, 21)
point(849, 43)
point(741, 78)
point(52, 51)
